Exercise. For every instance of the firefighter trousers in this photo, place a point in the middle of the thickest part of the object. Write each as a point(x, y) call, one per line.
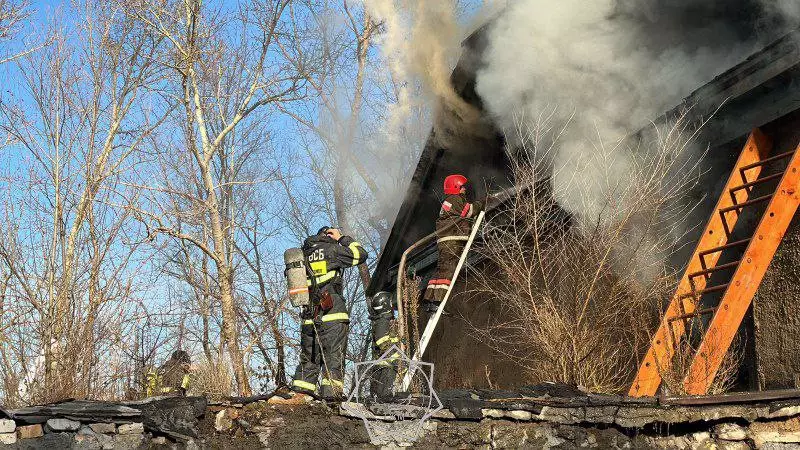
point(449, 254)
point(322, 350)
point(384, 371)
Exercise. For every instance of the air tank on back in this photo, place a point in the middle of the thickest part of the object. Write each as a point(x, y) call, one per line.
point(296, 277)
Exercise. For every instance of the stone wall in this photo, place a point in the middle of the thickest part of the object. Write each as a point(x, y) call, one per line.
point(65, 433)
point(167, 422)
point(533, 417)
point(477, 419)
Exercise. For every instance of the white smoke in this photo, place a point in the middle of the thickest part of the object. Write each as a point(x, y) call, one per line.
point(421, 40)
point(608, 67)
point(790, 9)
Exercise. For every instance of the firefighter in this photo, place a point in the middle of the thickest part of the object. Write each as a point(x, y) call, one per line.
point(454, 223)
point(325, 323)
point(172, 378)
point(381, 313)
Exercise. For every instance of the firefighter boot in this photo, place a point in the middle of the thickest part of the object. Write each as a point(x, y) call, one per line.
point(332, 392)
point(430, 307)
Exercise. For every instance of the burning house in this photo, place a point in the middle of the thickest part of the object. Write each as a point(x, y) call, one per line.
point(756, 91)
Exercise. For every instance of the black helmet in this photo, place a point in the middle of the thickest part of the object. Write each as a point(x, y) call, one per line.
point(381, 305)
point(323, 231)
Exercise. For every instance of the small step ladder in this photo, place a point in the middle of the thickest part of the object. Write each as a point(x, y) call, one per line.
point(430, 327)
point(749, 270)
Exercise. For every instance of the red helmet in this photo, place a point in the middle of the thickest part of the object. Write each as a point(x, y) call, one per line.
point(454, 183)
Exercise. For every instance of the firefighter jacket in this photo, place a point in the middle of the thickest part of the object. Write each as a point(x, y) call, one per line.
point(171, 378)
point(326, 259)
point(456, 211)
point(454, 223)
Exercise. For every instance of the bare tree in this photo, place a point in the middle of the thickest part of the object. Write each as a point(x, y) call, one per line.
point(80, 128)
point(222, 83)
point(335, 64)
point(12, 14)
point(579, 294)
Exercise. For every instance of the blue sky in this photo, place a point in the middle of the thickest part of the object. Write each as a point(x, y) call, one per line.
point(26, 191)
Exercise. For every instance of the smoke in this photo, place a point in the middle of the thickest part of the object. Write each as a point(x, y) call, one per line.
point(422, 41)
point(608, 67)
point(788, 9)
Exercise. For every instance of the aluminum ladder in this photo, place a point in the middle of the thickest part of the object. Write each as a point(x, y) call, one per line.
point(430, 327)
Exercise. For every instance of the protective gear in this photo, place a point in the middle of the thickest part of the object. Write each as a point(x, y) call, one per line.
point(453, 184)
point(153, 382)
point(325, 322)
point(326, 258)
point(172, 377)
point(322, 348)
point(296, 274)
point(431, 307)
point(452, 227)
point(381, 306)
point(323, 231)
point(181, 356)
point(383, 375)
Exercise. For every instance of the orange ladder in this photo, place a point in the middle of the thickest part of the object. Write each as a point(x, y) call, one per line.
point(748, 271)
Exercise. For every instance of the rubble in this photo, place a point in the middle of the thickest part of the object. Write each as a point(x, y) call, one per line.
point(131, 428)
point(7, 426)
point(730, 432)
point(471, 419)
point(30, 431)
point(58, 424)
point(103, 428)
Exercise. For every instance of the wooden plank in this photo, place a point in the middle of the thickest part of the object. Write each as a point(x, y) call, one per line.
point(744, 284)
point(658, 358)
point(733, 398)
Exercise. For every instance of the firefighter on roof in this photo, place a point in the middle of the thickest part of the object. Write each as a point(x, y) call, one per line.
point(325, 323)
point(453, 225)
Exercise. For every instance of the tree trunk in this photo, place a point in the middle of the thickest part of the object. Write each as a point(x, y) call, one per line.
point(229, 329)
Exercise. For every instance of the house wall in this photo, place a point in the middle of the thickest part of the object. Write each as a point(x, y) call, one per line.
point(776, 306)
point(776, 311)
point(461, 358)
point(764, 89)
point(769, 335)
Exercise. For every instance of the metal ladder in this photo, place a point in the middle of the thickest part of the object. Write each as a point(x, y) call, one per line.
point(430, 327)
point(748, 271)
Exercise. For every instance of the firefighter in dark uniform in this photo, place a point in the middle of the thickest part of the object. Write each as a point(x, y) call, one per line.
point(172, 378)
point(381, 313)
point(454, 224)
point(323, 333)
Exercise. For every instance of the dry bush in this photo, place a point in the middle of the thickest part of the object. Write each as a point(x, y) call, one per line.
point(409, 328)
point(580, 291)
point(674, 376)
point(212, 380)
